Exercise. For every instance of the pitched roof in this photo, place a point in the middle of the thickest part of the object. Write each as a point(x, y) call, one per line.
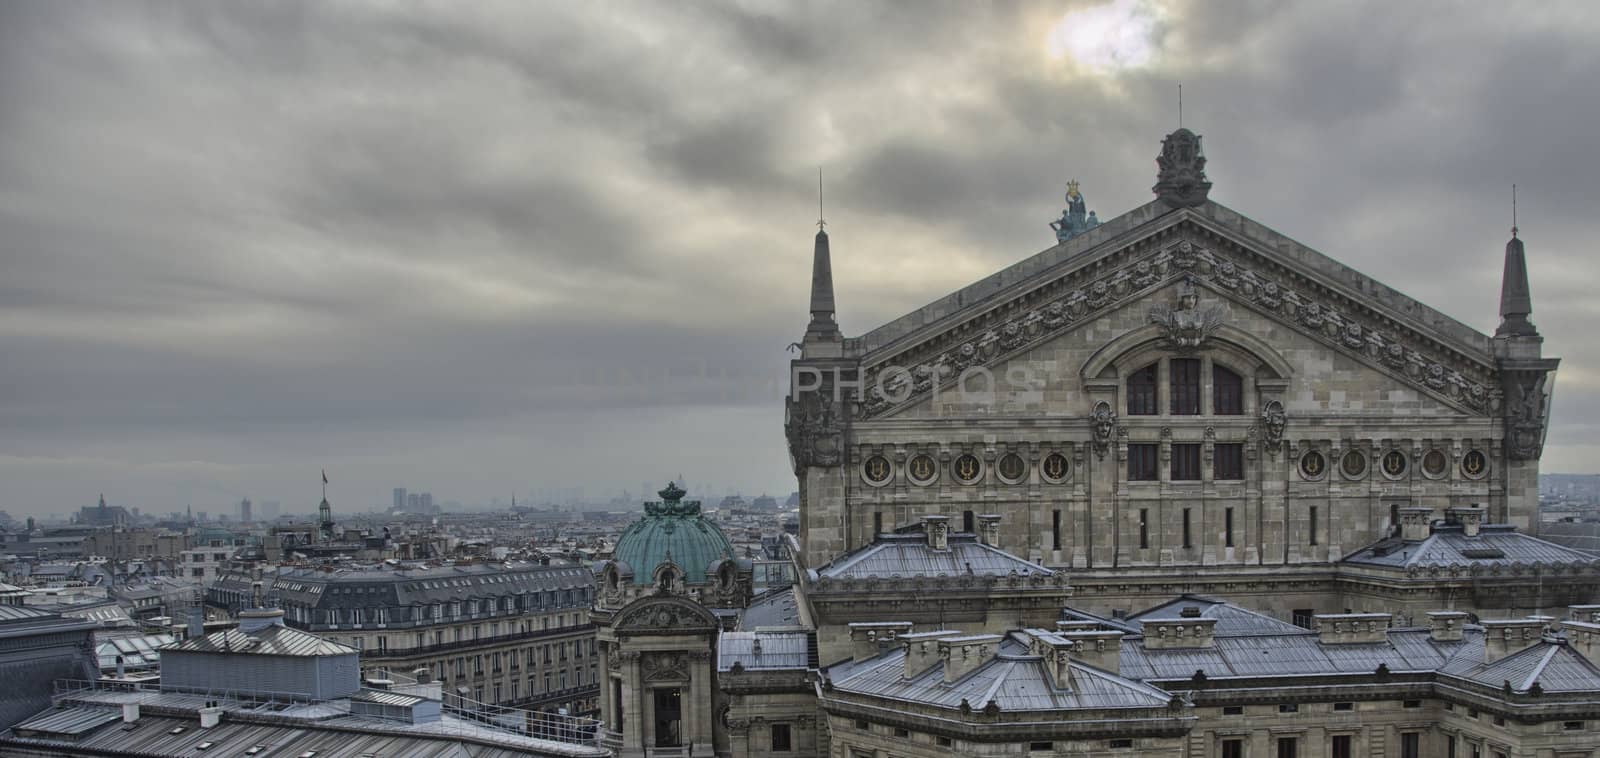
point(908, 555)
point(775, 608)
point(1550, 662)
point(1014, 679)
point(1496, 545)
point(1232, 621)
point(270, 640)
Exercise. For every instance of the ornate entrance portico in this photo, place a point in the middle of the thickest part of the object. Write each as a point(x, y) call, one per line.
point(657, 656)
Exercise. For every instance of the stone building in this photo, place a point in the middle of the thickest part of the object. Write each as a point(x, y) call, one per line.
point(514, 635)
point(1177, 388)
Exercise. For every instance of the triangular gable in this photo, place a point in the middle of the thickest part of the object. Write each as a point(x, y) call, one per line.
point(1126, 258)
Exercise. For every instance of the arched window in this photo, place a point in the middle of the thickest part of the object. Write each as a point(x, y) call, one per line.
point(1142, 392)
point(1227, 392)
point(1185, 386)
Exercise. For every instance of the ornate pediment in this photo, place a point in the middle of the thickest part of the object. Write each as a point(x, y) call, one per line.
point(664, 615)
point(1190, 253)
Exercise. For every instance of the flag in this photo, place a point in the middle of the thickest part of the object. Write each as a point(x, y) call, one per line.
point(324, 476)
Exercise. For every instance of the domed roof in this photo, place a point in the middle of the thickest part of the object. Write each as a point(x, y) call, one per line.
point(672, 530)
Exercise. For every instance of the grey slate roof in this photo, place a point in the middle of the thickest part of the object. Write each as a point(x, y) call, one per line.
point(403, 587)
point(908, 555)
point(1015, 680)
point(772, 609)
point(272, 640)
point(1554, 665)
point(1497, 545)
point(778, 650)
point(1232, 621)
point(1295, 654)
point(68, 722)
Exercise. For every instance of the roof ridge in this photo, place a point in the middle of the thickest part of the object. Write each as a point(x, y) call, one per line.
point(1538, 668)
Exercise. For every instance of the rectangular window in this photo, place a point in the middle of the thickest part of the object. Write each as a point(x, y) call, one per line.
point(1227, 392)
point(1313, 525)
point(1185, 374)
point(1288, 707)
point(1450, 747)
point(1185, 463)
point(1142, 462)
point(1227, 527)
point(1228, 462)
point(877, 522)
point(1344, 706)
point(1233, 710)
point(1303, 617)
point(1288, 747)
point(1411, 704)
point(1233, 749)
point(1410, 745)
point(1144, 528)
point(1186, 541)
point(780, 738)
point(1142, 392)
point(1340, 746)
point(1041, 747)
point(1055, 529)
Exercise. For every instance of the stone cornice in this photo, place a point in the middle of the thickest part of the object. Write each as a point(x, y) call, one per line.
point(1186, 247)
point(1010, 726)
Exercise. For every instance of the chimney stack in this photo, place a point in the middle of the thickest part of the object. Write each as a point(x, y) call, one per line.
point(197, 622)
point(1352, 628)
point(1161, 634)
point(963, 655)
point(210, 716)
point(1589, 613)
point(1584, 637)
point(130, 713)
point(1445, 626)
point(938, 529)
point(1470, 517)
point(1415, 523)
point(922, 649)
point(1101, 649)
point(869, 639)
point(1056, 651)
point(1503, 637)
point(989, 529)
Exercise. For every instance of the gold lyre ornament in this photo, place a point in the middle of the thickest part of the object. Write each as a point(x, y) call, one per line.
point(922, 467)
point(1313, 464)
point(877, 469)
point(1474, 463)
point(1055, 466)
point(1394, 462)
point(967, 467)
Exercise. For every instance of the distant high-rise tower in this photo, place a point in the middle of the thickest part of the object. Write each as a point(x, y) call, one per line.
point(413, 502)
point(245, 515)
point(399, 498)
point(425, 502)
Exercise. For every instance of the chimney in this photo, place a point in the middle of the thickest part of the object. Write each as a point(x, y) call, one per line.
point(1589, 613)
point(963, 655)
point(1502, 637)
point(1414, 523)
point(119, 667)
point(1162, 634)
point(1584, 637)
point(1470, 517)
point(210, 717)
point(130, 713)
point(197, 622)
point(989, 529)
point(1445, 626)
point(423, 675)
point(922, 649)
point(1056, 651)
point(1352, 628)
point(938, 530)
point(869, 639)
point(1101, 649)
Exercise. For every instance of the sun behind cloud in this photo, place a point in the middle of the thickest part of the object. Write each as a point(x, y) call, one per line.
point(1106, 38)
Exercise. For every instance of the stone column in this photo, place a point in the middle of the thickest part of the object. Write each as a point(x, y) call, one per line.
point(701, 729)
point(633, 736)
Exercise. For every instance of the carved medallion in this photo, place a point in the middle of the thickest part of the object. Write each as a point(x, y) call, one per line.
point(1055, 468)
point(1353, 465)
point(1012, 469)
point(877, 470)
point(967, 469)
point(922, 469)
point(1394, 464)
point(1474, 464)
point(1313, 465)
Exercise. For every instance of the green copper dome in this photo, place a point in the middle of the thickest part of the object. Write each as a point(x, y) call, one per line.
point(672, 530)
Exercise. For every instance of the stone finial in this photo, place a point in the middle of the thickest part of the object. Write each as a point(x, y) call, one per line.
point(1516, 298)
point(1181, 178)
point(822, 328)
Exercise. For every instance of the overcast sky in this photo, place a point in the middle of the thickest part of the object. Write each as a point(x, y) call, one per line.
point(483, 248)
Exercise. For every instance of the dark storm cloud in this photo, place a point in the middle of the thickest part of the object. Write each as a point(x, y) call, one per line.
point(501, 246)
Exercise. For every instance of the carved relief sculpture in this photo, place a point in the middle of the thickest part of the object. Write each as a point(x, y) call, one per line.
point(1103, 422)
point(1187, 326)
point(812, 428)
point(1273, 420)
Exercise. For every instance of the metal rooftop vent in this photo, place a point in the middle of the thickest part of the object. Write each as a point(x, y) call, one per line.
point(1190, 612)
point(1483, 552)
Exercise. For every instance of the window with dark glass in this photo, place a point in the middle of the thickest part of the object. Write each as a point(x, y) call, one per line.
point(1228, 461)
point(1144, 528)
point(1185, 463)
point(1410, 745)
point(1227, 526)
point(1142, 462)
point(1341, 746)
point(1233, 749)
point(1185, 386)
point(1313, 525)
point(1227, 392)
point(780, 738)
point(1186, 532)
point(1288, 747)
point(1142, 392)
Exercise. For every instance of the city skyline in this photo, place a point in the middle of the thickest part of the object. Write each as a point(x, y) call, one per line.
point(246, 243)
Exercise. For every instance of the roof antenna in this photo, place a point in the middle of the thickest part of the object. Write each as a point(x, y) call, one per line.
point(1180, 105)
point(821, 224)
point(1513, 211)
